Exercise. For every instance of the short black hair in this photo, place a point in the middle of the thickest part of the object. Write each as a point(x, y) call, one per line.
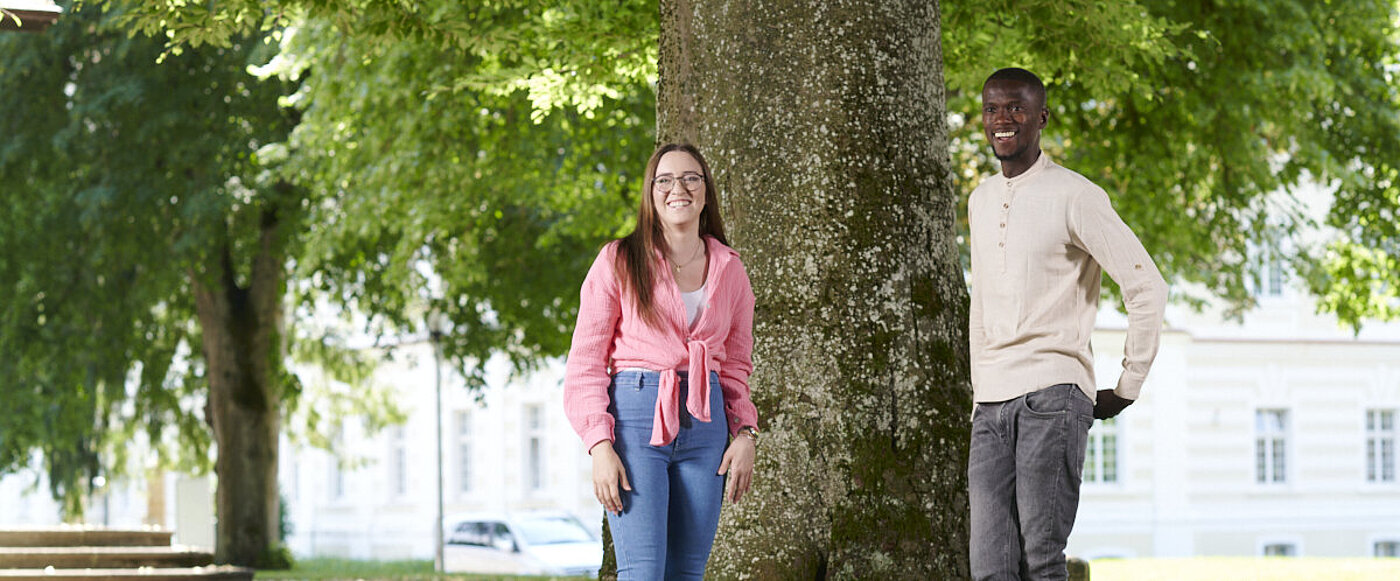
point(1020, 76)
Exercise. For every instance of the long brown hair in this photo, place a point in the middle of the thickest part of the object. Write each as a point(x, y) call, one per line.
point(635, 264)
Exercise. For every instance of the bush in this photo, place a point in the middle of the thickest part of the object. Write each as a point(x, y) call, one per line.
point(276, 557)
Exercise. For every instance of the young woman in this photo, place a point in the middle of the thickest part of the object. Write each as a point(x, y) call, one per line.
point(657, 378)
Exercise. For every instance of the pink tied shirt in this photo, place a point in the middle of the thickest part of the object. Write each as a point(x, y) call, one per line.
point(666, 423)
point(611, 336)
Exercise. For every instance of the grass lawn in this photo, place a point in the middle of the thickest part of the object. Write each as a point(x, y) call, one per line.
point(1198, 569)
point(405, 570)
point(1244, 569)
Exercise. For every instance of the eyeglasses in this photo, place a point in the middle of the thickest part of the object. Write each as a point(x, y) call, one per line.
point(691, 181)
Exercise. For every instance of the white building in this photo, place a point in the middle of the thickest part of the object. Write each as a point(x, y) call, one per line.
point(1276, 436)
point(512, 450)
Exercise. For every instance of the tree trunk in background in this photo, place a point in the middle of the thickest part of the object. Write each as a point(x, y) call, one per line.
point(242, 329)
point(608, 570)
point(824, 123)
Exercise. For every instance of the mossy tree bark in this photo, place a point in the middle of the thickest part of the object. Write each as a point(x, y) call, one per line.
point(824, 124)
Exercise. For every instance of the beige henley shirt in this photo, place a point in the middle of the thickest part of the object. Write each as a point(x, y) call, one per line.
point(1038, 243)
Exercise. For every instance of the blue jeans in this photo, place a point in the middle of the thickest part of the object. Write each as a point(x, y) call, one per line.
point(668, 520)
point(1023, 476)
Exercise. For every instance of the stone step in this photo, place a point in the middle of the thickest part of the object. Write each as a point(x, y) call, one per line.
point(102, 557)
point(84, 536)
point(219, 573)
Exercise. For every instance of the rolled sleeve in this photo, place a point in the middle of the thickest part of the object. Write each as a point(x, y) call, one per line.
point(1101, 232)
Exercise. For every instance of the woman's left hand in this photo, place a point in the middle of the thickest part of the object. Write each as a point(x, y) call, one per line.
point(738, 463)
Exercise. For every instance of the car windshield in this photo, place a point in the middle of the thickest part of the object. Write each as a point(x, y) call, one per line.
point(552, 531)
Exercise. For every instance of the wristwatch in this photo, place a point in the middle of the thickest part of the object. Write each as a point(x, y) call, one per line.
point(750, 432)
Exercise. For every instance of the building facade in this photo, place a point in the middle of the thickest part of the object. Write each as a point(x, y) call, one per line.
point(1275, 435)
point(508, 448)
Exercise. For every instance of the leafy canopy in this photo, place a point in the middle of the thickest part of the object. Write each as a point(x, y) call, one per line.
point(425, 177)
point(122, 180)
point(467, 158)
point(477, 205)
point(1204, 120)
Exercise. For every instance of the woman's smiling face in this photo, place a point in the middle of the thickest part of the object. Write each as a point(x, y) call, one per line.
point(677, 202)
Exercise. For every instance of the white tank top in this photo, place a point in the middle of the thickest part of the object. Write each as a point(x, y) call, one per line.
point(693, 305)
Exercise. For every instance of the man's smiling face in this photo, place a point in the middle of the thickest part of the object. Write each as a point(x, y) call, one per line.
point(1012, 116)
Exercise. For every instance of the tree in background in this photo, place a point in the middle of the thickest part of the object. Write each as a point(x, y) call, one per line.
point(142, 228)
point(168, 216)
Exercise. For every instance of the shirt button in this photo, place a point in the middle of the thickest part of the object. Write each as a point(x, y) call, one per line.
point(1003, 224)
point(1006, 205)
point(1001, 244)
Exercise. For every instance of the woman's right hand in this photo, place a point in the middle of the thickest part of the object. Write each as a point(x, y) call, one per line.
point(608, 472)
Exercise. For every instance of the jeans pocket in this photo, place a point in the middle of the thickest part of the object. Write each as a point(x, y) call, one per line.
point(1052, 401)
point(632, 404)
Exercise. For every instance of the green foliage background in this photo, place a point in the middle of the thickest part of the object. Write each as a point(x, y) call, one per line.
point(411, 176)
point(120, 182)
point(1205, 121)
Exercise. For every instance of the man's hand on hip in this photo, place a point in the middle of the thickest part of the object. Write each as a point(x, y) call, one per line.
point(1108, 404)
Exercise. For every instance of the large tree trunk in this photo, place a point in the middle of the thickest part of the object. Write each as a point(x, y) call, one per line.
point(242, 330)
point(824, 124)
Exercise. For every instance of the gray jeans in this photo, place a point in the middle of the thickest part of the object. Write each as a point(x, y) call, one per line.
point(1023, 476)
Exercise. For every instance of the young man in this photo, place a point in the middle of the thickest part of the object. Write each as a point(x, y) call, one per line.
point(1040, 235)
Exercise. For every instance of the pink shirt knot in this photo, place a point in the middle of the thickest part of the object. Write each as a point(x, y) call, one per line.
point(666, 423)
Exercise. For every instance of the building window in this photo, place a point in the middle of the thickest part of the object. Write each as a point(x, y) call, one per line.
point(534, 447)
point(464, 451)
point(398, 461)
point(1273, 283)
point(295, 478)
point(1380, 445)
point(1101, 456)
point(337, 475)
point(1385, 549)
point(1280, 550)
point(1270, 446)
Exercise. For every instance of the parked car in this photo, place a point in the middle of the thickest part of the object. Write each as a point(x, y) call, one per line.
point(528, 543)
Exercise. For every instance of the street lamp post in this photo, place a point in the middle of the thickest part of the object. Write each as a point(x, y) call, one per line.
point(435, 335)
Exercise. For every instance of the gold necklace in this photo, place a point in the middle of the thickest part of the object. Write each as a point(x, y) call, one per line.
point(699, 251)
